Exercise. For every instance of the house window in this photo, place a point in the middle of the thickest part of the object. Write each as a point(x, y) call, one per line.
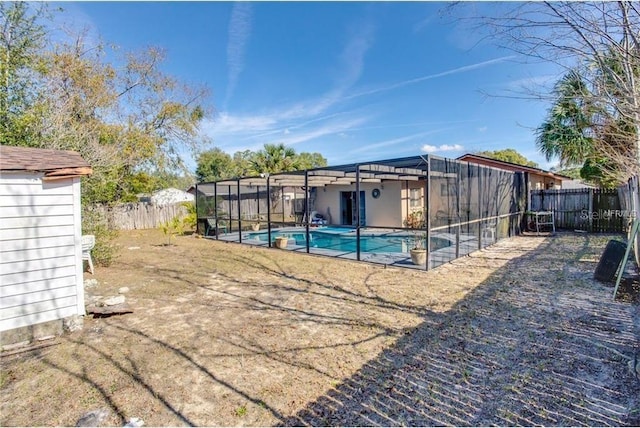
point(415, 198)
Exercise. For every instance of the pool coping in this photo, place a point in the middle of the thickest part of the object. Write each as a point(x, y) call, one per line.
point(468, 244)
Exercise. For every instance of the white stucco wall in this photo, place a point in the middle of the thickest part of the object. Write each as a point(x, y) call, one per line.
point(383, 211)
point(40, 250)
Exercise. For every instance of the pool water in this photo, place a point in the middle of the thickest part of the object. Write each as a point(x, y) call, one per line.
point(341, 239)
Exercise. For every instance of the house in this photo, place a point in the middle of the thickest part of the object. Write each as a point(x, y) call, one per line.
point(41, 275)
point(171, 196)
point(379, 193)
point(539, 179)
point(577, 184)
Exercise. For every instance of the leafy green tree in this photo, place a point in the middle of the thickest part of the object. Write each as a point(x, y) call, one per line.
point(242, 163)
point(124, 120)
point(508, 155)
point(215, 165)
point(22, 38)
point(307, 160)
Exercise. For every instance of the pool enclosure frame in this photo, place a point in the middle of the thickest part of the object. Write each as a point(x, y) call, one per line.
point(470, 205)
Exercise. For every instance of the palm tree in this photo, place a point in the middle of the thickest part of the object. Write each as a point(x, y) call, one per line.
point(566, 134)
point(274, 158)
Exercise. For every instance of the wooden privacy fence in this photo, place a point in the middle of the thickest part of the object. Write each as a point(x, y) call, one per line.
point(630, 202)
point(140, 215)
point(591, 210)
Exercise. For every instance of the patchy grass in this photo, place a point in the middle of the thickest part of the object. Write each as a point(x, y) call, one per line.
point(224, 334)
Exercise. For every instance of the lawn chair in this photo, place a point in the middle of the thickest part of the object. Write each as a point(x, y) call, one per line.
point(317, 219)
point(88, 242)
point(210, 227)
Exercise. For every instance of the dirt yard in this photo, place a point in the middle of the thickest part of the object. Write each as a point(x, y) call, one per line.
point(224, 334)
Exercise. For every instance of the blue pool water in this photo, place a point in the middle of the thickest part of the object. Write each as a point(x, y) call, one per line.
point(343, 239)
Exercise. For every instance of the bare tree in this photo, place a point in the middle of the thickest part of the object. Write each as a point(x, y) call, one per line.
point(597, 40)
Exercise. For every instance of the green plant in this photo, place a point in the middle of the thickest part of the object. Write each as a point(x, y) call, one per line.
point(189, 221)
point(241, 411)
point(415, 220)
point(172, 227)
point(94, 223)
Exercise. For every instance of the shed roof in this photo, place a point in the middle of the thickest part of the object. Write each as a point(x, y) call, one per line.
point(55, 164)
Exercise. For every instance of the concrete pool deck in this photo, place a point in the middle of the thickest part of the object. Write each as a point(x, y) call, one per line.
point(468, 244)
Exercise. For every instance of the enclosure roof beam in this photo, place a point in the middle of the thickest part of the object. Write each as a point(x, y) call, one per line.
point(348, 180)
point(253, 181)
point(410, 171)
point(326, 173)
point(409, 177)
point(377, 168)
point(362, 174)
point(227, 183)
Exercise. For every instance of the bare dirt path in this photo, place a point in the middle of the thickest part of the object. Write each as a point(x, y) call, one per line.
point(223, 334)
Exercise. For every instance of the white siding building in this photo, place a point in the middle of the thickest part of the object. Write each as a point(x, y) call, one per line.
point(41, 275)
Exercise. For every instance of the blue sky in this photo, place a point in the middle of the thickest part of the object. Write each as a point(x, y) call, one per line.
point(354, 81)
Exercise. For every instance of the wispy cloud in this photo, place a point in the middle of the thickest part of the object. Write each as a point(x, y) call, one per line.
point(395, 141)
point(239, 33)
point(332, 128)
point(428, 148)
point(432, 76)
point(250, 132)
point(352, 61)
point(423, 23)
point(301, 121)
point(285, 125)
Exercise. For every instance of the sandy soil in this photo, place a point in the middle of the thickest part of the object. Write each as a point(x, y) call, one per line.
point(224, 334)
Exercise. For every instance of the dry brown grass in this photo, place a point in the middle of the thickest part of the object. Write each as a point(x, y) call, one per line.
point(224, 334)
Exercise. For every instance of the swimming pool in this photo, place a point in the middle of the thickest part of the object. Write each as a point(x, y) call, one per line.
point(344, 239)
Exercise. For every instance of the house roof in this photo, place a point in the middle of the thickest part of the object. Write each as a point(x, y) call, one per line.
point(509, 166)
point(55, 164)
point(171, 196)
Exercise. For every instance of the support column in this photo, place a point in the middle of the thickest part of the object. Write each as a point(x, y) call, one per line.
point(239, 212)
point(268, 211)
point(306, 207)
point(427, 207)
point(358, 212)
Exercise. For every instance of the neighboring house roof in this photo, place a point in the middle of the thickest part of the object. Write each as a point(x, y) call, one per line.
point(171, 196)
point(509, 166)
point(55, 164)
point(577, 184)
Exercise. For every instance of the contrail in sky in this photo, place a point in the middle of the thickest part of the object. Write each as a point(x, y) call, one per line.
point(239, 32)
point(431, 76)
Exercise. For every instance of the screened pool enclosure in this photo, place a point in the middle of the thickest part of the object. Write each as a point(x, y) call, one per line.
point(374, 211)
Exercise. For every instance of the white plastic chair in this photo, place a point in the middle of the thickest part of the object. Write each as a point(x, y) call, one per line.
point(88, 242)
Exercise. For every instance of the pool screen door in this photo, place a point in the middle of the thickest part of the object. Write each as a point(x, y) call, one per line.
point(348, 208)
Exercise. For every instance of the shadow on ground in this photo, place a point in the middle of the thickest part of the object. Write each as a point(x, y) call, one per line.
point(530, 346)
point(538, 342)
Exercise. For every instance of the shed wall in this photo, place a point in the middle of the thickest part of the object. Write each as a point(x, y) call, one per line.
point(40, 250)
